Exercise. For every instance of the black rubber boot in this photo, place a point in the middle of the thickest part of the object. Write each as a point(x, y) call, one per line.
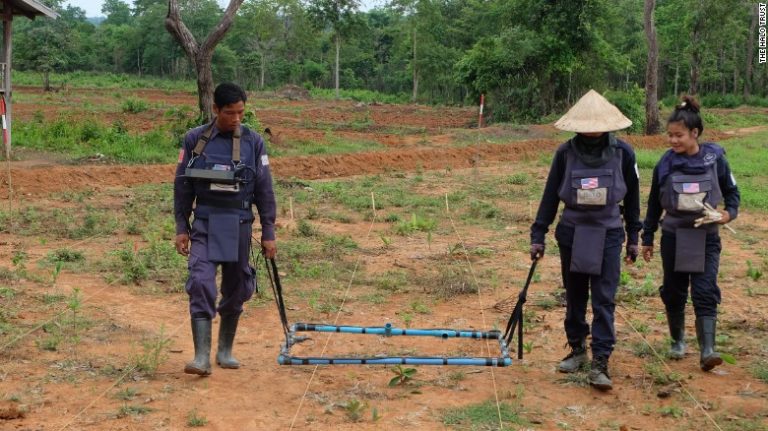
point(201, 336)
point(676, 321)
point(706, 328)
point(227, 331)
point(576, 359)
point(598, 374)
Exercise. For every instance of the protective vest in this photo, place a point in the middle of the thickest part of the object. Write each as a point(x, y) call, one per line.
point(591, 194)
point(686, 183)
point(222, 173)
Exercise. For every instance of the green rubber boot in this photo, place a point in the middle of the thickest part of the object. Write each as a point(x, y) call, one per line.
point(676, 321)
point(227, 331)
point(706, 328)
point(201, 336)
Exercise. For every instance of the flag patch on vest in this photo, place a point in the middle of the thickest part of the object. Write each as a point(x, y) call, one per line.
point(181, 155)
point(589, 183)
point(690, 187)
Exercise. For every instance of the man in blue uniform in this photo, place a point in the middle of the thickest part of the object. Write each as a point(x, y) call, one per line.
point(223, 169)
point(592, 173)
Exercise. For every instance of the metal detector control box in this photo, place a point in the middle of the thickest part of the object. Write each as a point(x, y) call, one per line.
point(225, 177)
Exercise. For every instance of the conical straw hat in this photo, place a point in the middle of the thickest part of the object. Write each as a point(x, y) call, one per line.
point(593, 113)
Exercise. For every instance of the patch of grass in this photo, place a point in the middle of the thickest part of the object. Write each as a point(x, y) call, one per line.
point(121, 81)
point(73, 223)
point(126, 394)
point(330, 145)
point(354, 409)
point(52, 298)
point(359, 95)
point(158, 261)
point(519, 179)
point(760, 370)
point(449, 282)
point(633, 291)
point(392, 281)
point(306, 229)
point(194, 420)
point(482, 416)
point(83, 138)
point(672, 411)
point(154, 353)
point(336, 245)
point(64, 255)
point(660, 376)
point(129, 410)
point(575, 379)
point(416, 223)
point(134, 106)
point(420, 308)
point(753, 272)
point(482, 210)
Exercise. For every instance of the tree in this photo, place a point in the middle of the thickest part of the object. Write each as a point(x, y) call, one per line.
point(264, 36)
point(117, 12)
point(652, 123)
point(750, 49)
point(48, 45)
point(339, 16)
point(201, 55)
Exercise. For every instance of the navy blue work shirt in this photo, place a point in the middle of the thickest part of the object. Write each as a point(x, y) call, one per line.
point(257, 188)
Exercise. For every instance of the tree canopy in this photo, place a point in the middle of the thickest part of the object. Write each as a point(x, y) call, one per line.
point(530, 57)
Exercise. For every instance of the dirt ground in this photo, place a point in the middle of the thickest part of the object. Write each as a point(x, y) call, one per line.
point(93, 384)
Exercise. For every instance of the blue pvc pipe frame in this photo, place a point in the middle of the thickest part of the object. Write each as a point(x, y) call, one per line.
point(388, 330)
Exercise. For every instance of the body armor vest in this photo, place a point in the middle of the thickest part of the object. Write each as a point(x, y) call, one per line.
point(591, 194)
point(682, 196)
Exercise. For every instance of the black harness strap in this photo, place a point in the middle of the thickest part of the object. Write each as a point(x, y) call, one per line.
point(224, 203)
point(202, 141)
point(517, 315)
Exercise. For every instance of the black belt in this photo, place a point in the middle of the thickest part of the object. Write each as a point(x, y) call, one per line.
point(224, 203)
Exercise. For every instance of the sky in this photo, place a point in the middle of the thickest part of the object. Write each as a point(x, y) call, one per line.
point(93, 7)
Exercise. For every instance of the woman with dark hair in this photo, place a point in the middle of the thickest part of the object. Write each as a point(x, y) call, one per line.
point(689, 182)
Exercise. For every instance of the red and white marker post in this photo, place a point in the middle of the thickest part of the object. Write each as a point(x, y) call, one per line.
point(480, 116)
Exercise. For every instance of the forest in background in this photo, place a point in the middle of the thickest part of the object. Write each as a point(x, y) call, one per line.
point(531, 58)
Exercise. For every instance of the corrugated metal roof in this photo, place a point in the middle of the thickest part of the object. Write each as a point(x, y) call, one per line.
point(31, 8)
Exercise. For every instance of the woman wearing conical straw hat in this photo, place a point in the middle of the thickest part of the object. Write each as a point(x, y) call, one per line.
point(592, 174)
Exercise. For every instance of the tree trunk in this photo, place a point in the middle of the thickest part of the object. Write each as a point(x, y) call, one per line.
point(750, 50)
point(413, 66)
point(723, 88)
point(336, 71)
point(693, 85)
point(205, 85)
point(735, 70)
point(677, 76)
point(200, 55)
point(46, 80)
point(652, 123)
point(263, 69)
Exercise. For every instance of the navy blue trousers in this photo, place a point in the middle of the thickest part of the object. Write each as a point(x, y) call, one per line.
point(602, 288)
point(705, 294)
point(237, 278)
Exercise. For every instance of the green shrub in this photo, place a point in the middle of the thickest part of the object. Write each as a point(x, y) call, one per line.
point(632, 104)
point(134, 106)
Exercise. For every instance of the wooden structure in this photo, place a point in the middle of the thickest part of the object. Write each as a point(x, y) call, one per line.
point(30, 9)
